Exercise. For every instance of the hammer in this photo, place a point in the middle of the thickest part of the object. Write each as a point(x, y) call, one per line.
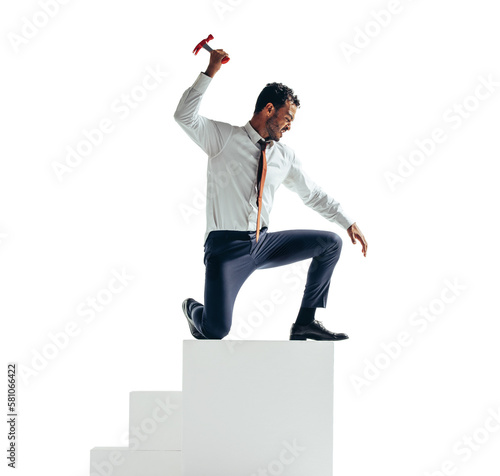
point(203, 44)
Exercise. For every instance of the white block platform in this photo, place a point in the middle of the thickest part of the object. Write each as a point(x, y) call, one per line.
point(255, 406)
point(155, 439)
point(247, 408)
point(155, 421)
point(116, 461)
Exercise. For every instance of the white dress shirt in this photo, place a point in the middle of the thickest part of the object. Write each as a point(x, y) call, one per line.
point(233, 158)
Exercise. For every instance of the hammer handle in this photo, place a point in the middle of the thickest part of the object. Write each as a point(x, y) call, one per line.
point(224, 60)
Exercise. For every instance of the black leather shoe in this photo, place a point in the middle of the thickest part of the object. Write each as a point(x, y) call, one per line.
point(187, 307)
point(316, 331)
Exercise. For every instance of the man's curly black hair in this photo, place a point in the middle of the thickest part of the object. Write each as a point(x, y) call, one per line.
point(277, 94)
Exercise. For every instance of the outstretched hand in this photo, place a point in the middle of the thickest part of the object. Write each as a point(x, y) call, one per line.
point(355, 234)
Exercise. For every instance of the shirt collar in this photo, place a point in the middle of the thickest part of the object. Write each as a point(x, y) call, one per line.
point(255, 137)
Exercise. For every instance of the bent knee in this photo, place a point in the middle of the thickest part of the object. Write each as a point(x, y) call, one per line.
point(216, 333)
point(333, 240)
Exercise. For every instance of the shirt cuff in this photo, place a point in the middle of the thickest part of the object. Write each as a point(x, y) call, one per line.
point(202, 82)
point(344, 221)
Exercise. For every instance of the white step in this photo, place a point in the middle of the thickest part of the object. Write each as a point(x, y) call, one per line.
point(257, 407)
point(117, 461)
point(155, 420)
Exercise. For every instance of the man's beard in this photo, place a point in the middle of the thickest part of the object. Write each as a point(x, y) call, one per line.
point(273, 128)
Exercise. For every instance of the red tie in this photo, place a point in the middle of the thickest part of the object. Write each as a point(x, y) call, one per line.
point(261, 178)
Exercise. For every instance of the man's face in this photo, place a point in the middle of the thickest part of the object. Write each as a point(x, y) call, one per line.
point(281, 120)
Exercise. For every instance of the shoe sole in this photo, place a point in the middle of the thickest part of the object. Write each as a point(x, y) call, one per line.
point(305, 338)
point(194, 332)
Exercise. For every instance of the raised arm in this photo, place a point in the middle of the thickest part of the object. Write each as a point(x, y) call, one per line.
point(210, 135)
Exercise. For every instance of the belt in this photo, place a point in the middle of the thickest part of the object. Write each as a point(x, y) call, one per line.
point(234, 234)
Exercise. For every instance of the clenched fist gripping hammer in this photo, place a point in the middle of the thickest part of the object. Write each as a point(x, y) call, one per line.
point(203, 44)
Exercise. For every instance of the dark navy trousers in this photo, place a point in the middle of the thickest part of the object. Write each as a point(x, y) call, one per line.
point(232, 256)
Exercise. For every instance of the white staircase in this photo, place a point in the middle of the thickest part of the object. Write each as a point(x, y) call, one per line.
point(155, 421)
point(247, 408)
point(155, 437)
point(117, 461)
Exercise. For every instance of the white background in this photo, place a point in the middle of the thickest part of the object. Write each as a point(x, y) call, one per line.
point(132, 206)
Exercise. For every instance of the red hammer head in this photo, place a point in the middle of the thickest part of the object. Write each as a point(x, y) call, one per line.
point(199, 46)
point(204, 44)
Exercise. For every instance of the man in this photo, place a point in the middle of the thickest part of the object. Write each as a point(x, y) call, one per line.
point(245, 167)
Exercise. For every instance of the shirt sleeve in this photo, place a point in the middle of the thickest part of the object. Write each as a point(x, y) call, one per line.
point(210, 135)
point(314, 197)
